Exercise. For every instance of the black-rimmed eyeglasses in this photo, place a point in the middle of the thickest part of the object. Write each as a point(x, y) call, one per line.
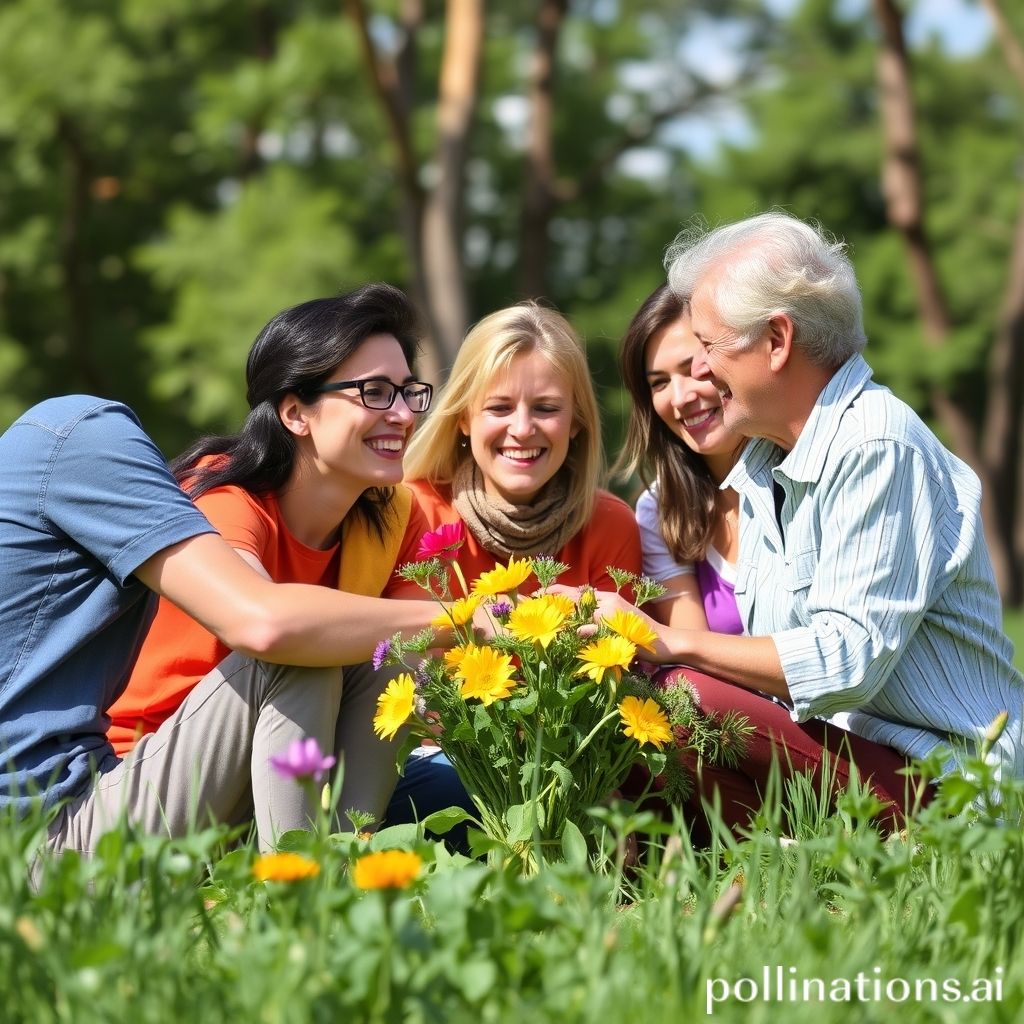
point(376, 393)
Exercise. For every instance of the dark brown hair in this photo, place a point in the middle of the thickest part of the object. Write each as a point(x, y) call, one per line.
point(686, 490)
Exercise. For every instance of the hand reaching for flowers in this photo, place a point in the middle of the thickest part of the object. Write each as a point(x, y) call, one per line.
point(609, 605)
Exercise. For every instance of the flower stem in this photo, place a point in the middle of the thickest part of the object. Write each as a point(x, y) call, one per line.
point(462, 579)
point(590, 735)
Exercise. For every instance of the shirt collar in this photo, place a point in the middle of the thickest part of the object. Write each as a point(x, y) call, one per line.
point(758, 455)
point(807, 458)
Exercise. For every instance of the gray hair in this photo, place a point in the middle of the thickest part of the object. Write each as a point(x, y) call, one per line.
point(770, 264)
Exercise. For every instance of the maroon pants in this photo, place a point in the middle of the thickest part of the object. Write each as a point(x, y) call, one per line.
point(828, 754)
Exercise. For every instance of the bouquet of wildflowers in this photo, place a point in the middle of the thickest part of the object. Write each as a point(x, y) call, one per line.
point(541, 722)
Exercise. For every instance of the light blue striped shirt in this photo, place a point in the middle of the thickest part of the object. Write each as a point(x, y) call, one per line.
point(879, 592)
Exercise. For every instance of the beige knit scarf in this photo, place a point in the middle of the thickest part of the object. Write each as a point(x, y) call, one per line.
point(542, 527)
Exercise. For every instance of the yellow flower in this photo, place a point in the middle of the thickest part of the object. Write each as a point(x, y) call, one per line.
point(503, 579)
point(284, 867)
point(453, 658)
point(610, 653)
point(645, 721)
point(460, 612)
point(394, 706)
point(632, 627)
point(387, 869)
point(538, 619)
point(486, 675)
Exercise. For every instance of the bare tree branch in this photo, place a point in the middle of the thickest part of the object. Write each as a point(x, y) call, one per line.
point(385, 79)
point(637, 133)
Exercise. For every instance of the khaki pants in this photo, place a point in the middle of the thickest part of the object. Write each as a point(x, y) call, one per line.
point(210, 761)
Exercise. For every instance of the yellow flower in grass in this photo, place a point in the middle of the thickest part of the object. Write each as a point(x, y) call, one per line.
point(394, 706)
point(633, 628)
point(539, 619)
point(645, 721)
point(609, 654)
point(503, 579)
point(387, 869)
point(460, 612)
point(284, 867)
point(486, 675)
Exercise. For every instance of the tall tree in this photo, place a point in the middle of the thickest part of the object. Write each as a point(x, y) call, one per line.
point(903, 186)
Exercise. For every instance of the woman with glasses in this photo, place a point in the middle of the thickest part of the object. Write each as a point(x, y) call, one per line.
point(513, 451)
point(305, 492)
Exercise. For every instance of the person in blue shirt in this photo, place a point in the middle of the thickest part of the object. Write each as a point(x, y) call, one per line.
point(863, 580)
point(93, 528)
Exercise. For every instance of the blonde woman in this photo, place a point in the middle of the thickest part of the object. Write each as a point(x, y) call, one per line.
point(513, 451)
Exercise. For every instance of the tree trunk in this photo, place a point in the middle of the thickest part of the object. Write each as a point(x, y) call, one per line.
point(1003, 436)
point(903, 190)
point(539, 191)
point(442, 255)
point(393, 81)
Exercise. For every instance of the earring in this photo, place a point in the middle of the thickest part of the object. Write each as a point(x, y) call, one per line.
point(464, 443)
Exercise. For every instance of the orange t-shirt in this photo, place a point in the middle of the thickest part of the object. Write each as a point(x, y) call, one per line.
point(610, 537)
point(178, 651)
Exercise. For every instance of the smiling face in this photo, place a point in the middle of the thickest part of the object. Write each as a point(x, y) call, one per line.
point(356, 447)
point(520, 428)
point(690, 408)
point(741, 373)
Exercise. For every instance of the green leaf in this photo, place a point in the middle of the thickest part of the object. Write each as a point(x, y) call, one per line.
point(480, 844)
point(520, 828)
point(477, 978)
point(447, 818)
point(526, 704)
point(565, 777)
point(393, 836)
point(294, 839)
point(521, 820)
point(574, 846)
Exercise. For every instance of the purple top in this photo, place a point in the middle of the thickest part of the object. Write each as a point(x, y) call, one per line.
point(719, 598)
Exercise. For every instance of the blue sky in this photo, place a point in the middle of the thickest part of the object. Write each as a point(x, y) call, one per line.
point(960, 26)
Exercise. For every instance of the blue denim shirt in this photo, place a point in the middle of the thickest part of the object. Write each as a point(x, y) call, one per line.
point(85, 498)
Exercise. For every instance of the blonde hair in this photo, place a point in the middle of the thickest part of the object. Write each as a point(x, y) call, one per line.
point(436, 449)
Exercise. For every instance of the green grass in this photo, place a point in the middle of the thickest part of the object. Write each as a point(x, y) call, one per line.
point(1013, 623)
point(152, 931)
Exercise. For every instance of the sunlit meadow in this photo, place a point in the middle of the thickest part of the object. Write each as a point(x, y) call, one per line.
point(348, 927)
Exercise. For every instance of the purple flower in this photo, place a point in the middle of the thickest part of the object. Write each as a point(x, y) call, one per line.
point(303, 760)
point(500, 609)
point(421, 677)
point(380, 654)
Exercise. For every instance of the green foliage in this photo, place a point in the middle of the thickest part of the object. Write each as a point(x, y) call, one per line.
point(151, 930)
point(173, 172)
point(279, 242)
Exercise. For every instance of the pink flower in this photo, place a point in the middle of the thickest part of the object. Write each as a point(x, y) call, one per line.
point(442, 543)
point(303, 760)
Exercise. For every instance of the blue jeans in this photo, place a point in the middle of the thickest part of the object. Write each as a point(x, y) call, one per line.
point(429, 784)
